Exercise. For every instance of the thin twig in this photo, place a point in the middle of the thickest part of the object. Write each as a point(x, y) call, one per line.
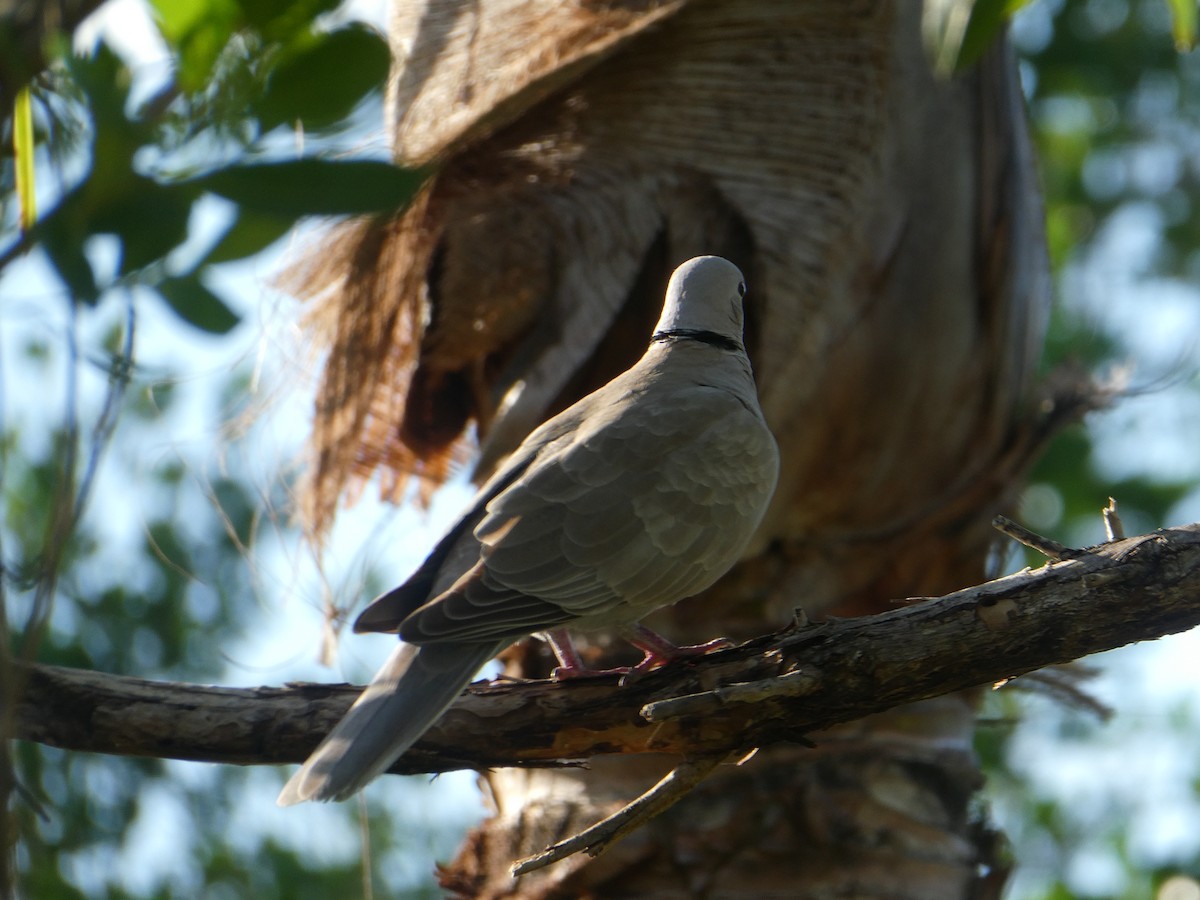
point(120, 368)
point(1043, 545)
point(595, 840)
point(794, 684)
point(1113, 526)
point(69, 504)
point(1063, 682)
point(61, 520)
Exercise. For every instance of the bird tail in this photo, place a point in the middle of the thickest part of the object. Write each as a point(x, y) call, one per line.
point(405, 697)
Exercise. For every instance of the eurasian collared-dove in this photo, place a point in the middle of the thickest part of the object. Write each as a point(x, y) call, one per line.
point(641, 494)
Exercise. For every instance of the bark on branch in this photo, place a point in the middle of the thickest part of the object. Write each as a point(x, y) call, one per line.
point(781, 687)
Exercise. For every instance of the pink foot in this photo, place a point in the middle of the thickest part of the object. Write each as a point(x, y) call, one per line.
point(571, 663)
point(659, 651)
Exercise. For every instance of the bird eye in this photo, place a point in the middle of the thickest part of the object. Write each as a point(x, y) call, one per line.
point(741, 289)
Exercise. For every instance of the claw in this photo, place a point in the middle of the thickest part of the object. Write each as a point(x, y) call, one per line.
point(659, 651)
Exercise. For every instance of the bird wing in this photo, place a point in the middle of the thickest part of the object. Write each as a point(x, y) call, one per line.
point(458, 549)
point(647, 503)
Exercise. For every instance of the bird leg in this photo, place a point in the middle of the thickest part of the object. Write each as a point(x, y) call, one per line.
point(659, 651)
point(571, 664)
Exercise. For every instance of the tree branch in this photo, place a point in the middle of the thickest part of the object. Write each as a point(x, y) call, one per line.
point(776, 688)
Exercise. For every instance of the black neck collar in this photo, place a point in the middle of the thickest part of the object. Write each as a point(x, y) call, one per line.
point(704, 337)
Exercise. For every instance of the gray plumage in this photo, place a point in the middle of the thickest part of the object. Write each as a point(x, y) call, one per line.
point(641, 494)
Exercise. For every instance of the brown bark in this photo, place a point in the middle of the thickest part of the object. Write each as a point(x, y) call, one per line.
point(779, 688)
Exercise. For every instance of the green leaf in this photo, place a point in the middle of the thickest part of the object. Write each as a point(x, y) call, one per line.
point(322, 84)
point(250, 233)
point(62, 237)
point(1183, 24)
point(114, 198)
point(197, 305)
point(23, 152)
point(176, 19)
point(282, 21)
point(198, 30)
point(988, 19)
point(315, 187)
point(151, 220)
point(105, 80)
point(957, 32)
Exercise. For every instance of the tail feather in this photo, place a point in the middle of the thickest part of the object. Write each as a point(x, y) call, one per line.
point(406, 696)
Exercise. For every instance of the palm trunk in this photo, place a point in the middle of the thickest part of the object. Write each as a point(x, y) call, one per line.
point(890, 229)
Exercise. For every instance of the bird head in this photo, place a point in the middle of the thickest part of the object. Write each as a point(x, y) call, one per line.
point(705, 294)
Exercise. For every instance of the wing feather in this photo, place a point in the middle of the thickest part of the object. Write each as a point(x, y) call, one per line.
point(628, 512)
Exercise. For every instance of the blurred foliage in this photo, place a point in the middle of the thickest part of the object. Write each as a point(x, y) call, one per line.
point(1114, 106)
point(1116, 121)
point(1116, 118)
point(956, 32)
point(113, 556)
point(245, 73)
point(156, 578)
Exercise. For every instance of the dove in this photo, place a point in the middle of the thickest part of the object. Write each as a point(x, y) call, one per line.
point(641, 494)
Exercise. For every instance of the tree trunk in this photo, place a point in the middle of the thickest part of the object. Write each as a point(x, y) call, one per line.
point(890, 230)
